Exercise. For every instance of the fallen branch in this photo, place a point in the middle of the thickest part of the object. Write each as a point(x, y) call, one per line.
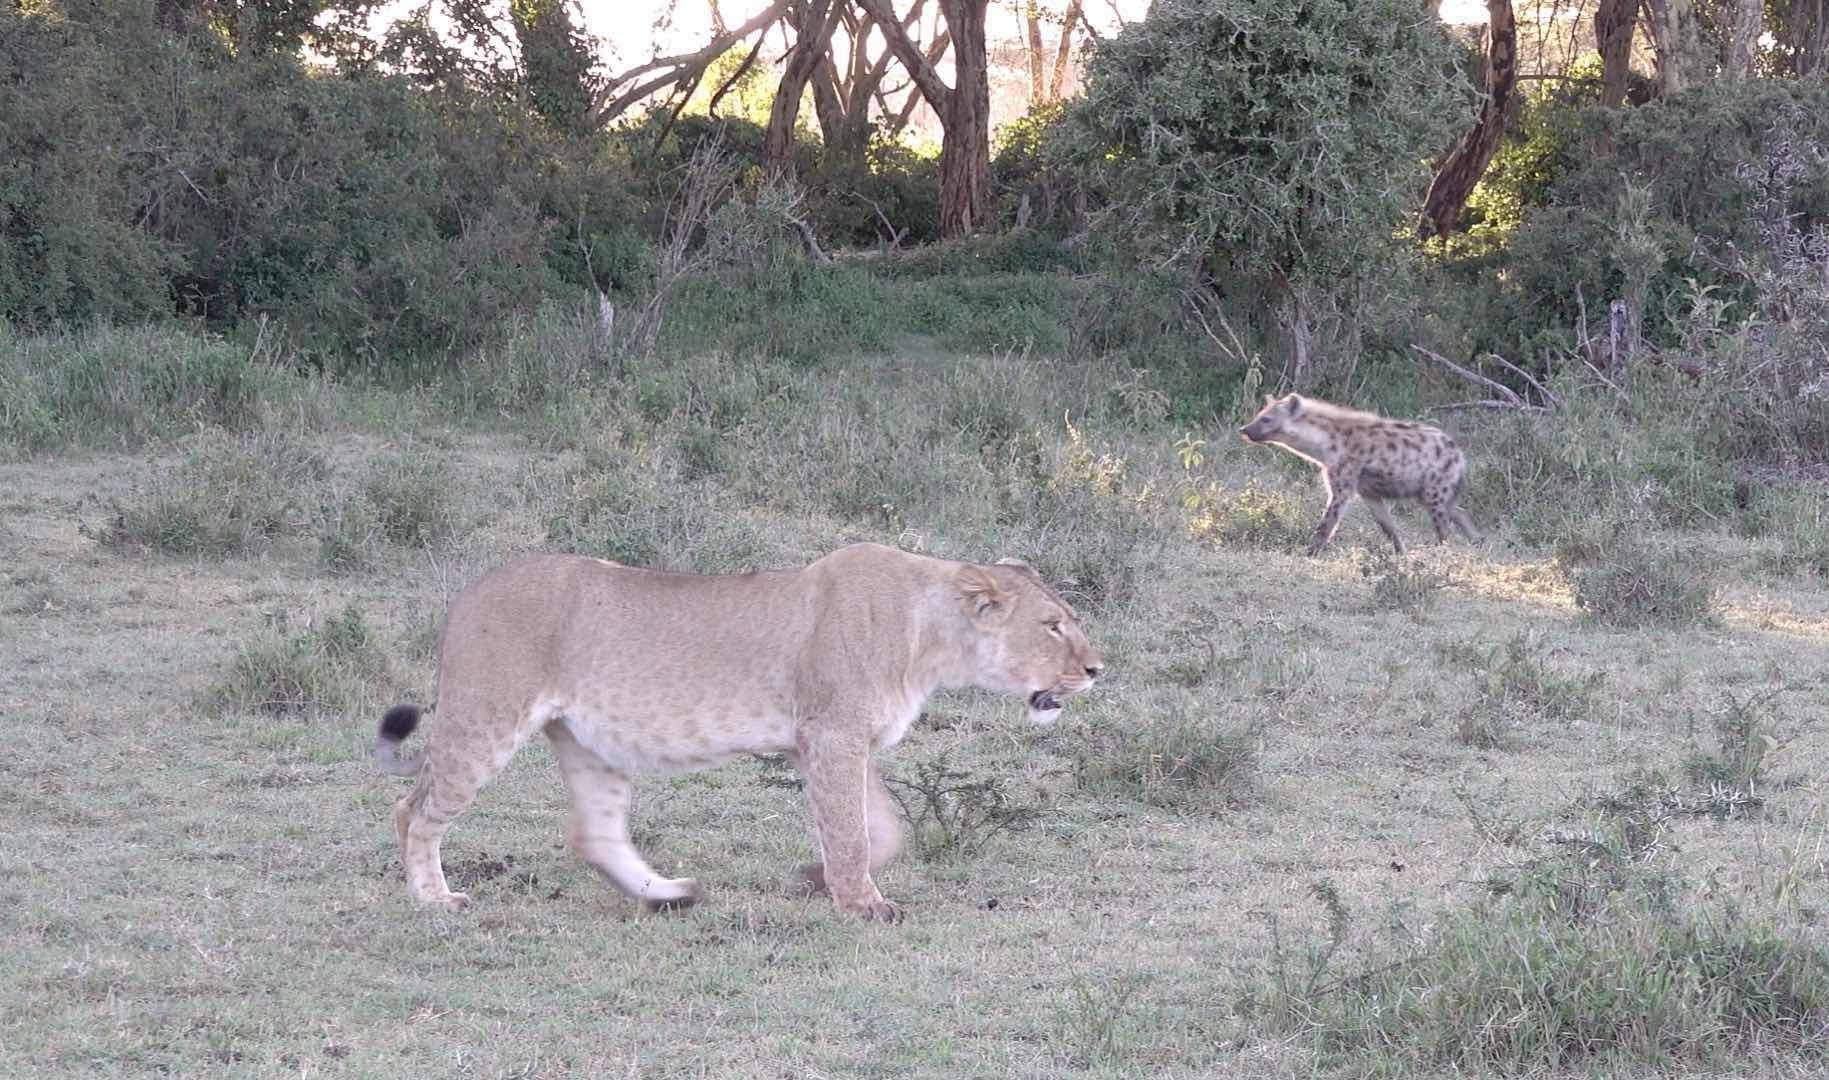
point(814, 251)
point(1544, 393)
point(1505, 405)
point(1510, 397)
point(896, 235)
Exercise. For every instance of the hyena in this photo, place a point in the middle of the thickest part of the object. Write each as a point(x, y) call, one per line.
point(1364, 454)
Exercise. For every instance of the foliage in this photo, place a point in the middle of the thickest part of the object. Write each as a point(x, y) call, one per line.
point(1284, 140)
point(1653, 204)
point(375, 221)
point(951, 813)
point(323, 667)
point(225, 495)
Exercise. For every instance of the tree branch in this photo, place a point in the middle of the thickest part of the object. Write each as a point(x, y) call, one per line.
point(1512, 400)
point(685, 67)
point(922, 70)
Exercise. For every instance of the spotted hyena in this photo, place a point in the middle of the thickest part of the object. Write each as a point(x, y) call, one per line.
point(1364, 454)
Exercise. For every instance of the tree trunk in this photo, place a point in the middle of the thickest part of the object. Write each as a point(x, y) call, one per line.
point(1679, 48)
point(1038, 87)
point(1742, 21)
point(965, 145)
point(1467, 162)
point(814, 23)
point(1805, 35)
point(964, 107)
point(1614, 22)
point(1058, 87)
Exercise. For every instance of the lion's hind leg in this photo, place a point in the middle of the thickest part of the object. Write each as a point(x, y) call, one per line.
point(601, 796)
point(421, 820)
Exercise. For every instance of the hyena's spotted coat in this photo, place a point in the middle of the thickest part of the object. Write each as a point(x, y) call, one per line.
point(1364, 454)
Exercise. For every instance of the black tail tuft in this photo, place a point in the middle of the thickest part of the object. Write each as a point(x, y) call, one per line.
point(399, 723)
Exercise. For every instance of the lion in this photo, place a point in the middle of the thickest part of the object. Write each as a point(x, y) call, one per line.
point(633, 671)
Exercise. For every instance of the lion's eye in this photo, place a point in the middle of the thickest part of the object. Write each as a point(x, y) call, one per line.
point(1054, 628)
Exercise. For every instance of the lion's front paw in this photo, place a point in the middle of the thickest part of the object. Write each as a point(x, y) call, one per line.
point(878, 910)
point(451, 901)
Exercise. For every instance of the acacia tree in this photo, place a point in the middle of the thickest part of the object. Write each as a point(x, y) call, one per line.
point(964, 107)
point(1276, 141)
point(1614, 22)
point(814, 22)
point(1467, 162)
point(1044, 87)
point(846, 88)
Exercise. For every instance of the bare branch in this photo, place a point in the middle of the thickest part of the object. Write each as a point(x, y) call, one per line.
point(1544, 393)
point(610, 104)
point(1506, 392)
point(920, 68)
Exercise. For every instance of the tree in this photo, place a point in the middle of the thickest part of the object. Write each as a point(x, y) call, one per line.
point(1614, 22)
point(814, 22)
point(964, 107)
point(1467, 162)
point(1045, 89)
point(845, 88)
point(1676, 38)
point(679, 74)
point(1801, 32)
point(556, 64)
point(1277, 142)
point(1742, 21)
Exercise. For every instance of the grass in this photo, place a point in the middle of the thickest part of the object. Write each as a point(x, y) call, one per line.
point(200, 874)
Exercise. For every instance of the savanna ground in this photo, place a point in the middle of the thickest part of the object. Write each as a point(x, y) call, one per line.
point(1547, 803)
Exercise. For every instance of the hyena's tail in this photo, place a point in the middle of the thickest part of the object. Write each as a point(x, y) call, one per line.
point(396, 725)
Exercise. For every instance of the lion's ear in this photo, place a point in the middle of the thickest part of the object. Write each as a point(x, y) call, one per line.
point(980, 592)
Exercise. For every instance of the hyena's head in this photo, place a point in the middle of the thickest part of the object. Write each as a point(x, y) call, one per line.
point(1272, 418)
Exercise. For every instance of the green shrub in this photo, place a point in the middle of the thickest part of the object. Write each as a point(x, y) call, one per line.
point(1519, 982)
point(327, 667)
point(1622, 579)
point(1515, 691)
point(1178, 757)
point(121, 387)
point(226, 494)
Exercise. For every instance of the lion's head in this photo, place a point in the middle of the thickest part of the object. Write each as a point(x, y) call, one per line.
point(1028, 641)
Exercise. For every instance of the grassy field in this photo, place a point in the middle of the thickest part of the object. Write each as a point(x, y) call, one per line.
point(1546, 804)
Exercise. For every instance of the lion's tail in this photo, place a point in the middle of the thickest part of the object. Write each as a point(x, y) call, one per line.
point(396, 725)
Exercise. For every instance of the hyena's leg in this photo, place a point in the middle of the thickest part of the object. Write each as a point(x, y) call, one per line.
point(1464, 522)
point(1381, 513)
point(600, 825)
point(838, 778)
point(1340, 492)
point(422, 817)
point(883, 824)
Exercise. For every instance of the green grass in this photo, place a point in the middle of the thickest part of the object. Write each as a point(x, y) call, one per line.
point(200, 874)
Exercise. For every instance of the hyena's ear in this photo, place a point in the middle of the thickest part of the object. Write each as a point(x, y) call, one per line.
point(1295, 404)
point(983, 598)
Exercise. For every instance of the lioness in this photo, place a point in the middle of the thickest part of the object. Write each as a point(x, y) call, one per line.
point(630, 670)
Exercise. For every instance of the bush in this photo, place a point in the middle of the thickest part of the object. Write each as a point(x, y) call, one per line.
point(122, 388)
point(1621, 579)
point(1173, 758)
point(1281, 144)
point(1521, 982)
point(1653, 202)
point(1515, 691)
point(327, 667)
point(227, 494)
point(403, 499)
